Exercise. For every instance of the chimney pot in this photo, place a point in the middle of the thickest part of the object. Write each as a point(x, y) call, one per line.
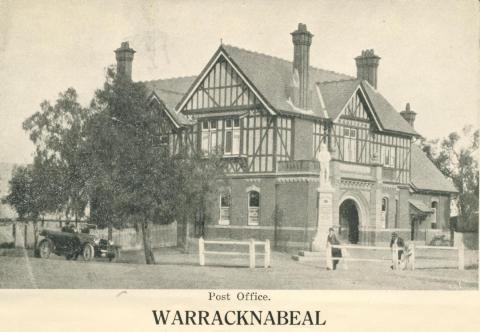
point(367, 66)
point(409, 115)
point(124, 57)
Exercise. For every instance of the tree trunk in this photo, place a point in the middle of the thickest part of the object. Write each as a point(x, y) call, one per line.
point(35, 234)
point(14, 233)
point(110, 231)
point(25, 234)
point(186, 229)
point(147, 246)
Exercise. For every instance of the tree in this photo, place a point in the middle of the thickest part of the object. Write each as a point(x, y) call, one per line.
point(57, 132)
point(201, 176)
point(21, 194)
point(456, 157)
point(141, 178)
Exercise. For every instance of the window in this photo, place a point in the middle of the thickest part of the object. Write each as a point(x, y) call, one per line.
point(350, 144)
point(225, 204)
point(232, 137)
point(253, 207)
point(389, 156)
point(384, 212)
point(209, 135)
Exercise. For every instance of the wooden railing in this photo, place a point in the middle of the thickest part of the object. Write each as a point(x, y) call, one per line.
point(409, 254)
point(251, 250)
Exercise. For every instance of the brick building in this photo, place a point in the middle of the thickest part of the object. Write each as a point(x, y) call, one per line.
point(270, 116)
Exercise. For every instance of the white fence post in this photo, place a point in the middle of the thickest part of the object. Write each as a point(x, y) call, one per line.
point(267, 253)
point(461, 254)
point(201, 251)
point(395, 256)
point(345, 255)
point(251, 247)
point(412, 257)
point(328, 256)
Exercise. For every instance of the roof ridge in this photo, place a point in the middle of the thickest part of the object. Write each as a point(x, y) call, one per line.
point(170, 78)
point(170, 91)
point(338, 81)
point(281, 59)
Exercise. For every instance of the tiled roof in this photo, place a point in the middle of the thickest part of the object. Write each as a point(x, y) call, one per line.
point(426, 176)
point(420, 206)
point(336, 94)
point(272, 76)
point(389, 118)
point(170, 91)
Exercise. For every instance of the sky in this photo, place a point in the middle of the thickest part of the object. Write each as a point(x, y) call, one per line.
point(429, 50)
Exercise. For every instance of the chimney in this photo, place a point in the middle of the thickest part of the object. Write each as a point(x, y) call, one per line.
point(302, 39)
point(367, 65)
point(408, 115)
point(124, 56)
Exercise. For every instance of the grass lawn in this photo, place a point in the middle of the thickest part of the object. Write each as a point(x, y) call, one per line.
point(182, 271)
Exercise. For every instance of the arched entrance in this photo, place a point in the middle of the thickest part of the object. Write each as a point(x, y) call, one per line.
point(349, 221)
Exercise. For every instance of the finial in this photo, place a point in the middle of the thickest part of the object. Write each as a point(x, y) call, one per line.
point(407, 108)
point(221, 41)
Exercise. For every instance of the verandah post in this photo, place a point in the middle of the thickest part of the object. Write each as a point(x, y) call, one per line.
point(201, 251)
point(267, 253)
point(251, 247)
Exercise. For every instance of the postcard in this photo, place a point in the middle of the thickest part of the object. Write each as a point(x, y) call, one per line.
point(230, 165)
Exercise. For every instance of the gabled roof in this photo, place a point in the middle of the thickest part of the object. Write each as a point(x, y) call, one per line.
point(336, 95)
point(420, 206)
point(389, 118)
point(169, 92)
point(272, 77)
point(425, 175)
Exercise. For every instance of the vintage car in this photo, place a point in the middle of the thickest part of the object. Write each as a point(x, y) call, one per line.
point(72, 244)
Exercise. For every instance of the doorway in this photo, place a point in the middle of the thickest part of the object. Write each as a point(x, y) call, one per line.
point(349, 221)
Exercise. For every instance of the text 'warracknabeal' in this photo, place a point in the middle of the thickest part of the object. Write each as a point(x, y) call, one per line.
point(238, 317)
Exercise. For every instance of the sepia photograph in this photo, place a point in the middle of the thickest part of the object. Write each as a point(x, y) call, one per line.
point(252, 145)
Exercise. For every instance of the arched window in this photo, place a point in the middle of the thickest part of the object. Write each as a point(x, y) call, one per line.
point(253, 207)
point(225, 204)
point(434, 215)
point(384, 212)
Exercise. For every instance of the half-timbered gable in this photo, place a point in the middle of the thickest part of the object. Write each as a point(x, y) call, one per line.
point(358, 136)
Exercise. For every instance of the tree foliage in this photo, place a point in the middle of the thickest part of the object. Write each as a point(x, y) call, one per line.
point(57, 132)
point(456, 157)
point(112, 156)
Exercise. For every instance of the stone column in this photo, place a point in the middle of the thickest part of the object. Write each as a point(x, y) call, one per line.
point(324, 217)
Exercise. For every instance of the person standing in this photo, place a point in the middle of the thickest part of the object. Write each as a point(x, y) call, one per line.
point(400, 244)
point(336, 252)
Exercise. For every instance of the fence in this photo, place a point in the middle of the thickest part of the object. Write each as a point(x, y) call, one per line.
point(409, 253)
point(21, 234)
point(251, 250)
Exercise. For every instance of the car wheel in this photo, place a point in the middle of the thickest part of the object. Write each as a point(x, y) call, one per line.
point(45, 248)
point(116, 255)
point(88, 252)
